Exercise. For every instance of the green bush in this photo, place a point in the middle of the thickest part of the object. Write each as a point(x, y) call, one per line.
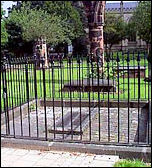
point(131, 163)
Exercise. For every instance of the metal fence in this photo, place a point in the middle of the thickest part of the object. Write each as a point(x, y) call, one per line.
point(75, 99)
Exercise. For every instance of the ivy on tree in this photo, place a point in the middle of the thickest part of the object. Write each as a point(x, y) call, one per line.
point(4, 35)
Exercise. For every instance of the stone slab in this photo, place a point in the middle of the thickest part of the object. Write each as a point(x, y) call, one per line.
point(90, 85)
point(131, 68)
point(133, 71)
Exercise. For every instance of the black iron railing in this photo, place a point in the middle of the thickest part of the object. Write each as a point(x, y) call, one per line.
point(75, 99)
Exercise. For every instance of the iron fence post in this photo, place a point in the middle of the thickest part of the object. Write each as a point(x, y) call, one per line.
point(27, 97)
point(44, 96)
point(5, 95)
point(150, 94)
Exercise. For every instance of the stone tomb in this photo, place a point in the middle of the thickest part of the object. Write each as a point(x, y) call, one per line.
point(90, 85)
point(75, 118)
point(133, 71)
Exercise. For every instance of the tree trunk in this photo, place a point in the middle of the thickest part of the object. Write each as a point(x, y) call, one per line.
point(44, 52)
point(40, 50)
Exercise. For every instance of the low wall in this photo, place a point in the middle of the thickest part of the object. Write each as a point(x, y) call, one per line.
point(111, 104)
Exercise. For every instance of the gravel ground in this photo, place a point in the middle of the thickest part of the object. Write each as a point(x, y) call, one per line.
point(109, 127)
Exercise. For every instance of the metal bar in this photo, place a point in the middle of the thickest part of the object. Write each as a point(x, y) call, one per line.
point(113, 74)
point(62, 76)
point(108, 59)
point(134, 76)
point(98, 71)
point(123, 57)
point(128, 61)
point(12, 96)
point(6, 91)
point(50, 82)
point(36, 97)
point(40, 82)
point(59, 74)
point(138, 60)
point(71, 98)
point(118, 60)
point(5, 97)
point(79, 62)
point(89, 59)
point(44, 97)
point(27, 93)
point(53, 89)
point(8, 85)
point(19, 67)
point(17, 87)
point(145, 72)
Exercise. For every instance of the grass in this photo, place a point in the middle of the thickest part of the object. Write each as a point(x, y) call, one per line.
point(55, 80)
point(131, 163)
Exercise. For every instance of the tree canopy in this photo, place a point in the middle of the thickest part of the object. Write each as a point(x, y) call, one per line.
point(131, 32)
point(114, 29)
point(142, 20)
point(48, 16)
point(60, 21)
point(36, 24)
point(68, 13)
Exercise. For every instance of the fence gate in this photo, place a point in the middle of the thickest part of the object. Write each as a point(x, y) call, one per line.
point(75, 99)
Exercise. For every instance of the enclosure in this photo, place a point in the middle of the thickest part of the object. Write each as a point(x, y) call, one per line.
point(75, 99)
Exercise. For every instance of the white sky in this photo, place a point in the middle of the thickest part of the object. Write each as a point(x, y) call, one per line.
point(7, 4)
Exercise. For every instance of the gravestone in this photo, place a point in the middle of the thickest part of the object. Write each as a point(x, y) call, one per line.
point(67, 123)
point(133, 71)
point(90, 85)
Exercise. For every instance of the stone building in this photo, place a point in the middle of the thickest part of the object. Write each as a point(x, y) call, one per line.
point(126, 9)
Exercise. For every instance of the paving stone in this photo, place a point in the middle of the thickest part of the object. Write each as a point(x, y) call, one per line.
point(9, 150)
point(97, 163)
point(108, 158)
point(20, 152)
point(5, 163)
point(4, 150)
point(47, 163)
point(10, 158)
point(22, 163)
point(31, 157)
point(52, 156)
point(54, 159)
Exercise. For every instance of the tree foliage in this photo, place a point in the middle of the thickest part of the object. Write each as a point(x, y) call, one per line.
point(131, 32)
point(36, 24)
point(67, 18)
point(142, 20)
point(114, 29)
point(72, 19)
point(4, 35)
